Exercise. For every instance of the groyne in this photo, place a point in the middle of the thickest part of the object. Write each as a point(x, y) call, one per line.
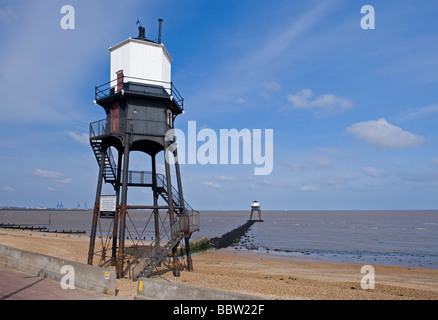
point(233, 237)
point(38, 227)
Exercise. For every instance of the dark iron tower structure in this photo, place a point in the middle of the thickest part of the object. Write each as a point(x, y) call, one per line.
point(141, 104)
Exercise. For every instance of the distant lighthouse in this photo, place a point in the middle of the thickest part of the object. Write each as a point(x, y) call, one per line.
point(255, 207)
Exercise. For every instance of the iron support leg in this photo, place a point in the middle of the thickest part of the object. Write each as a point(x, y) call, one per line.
point(121, 254)
point(175, 271)
point(117, 214)
point(169, 182)
point(155, 194)
point(171, 214)
point(96, 208)
point(178, 179)
point(189, 255)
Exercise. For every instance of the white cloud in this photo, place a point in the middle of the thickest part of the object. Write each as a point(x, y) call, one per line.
point(7, 188)
point(64, 181)
point(309, 188)
point(7, 13)
point(57, 177)
point(318, 158)
point(268, 88)
point(293, 166)
point(280, 42)
point(211, 184)
point(372, 172)
point(81, 138)
point(47, 174)
point(226, 178)
point(323, 162)
point(418, 113)
point(332, 181)
point(240, 100)
point(325, 104)
point(382, 134)
point(336, 180)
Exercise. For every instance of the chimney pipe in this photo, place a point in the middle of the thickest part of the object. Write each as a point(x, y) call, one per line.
point(160, 22)
point(141, 33)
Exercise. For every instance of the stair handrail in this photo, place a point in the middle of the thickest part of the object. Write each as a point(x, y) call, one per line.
point(97, 128)
point(175, 193)
point(175, 238)
point(112, 162)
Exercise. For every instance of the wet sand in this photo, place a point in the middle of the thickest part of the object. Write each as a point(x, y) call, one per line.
point(265, 275)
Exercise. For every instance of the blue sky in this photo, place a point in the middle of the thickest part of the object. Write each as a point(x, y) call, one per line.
point(354, 111)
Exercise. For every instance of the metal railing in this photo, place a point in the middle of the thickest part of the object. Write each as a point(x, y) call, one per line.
point(186, 224)
point(97, 128)
point(110, 88)
point(194, 220)
point(175, 193)
point(145, 178)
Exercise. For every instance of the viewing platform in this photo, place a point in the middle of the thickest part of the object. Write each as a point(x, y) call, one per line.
point(112, 90)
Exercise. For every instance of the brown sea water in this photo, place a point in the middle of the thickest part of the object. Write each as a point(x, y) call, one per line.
point(393, 237)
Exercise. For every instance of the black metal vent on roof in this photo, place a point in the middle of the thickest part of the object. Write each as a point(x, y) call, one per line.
point(141, 33)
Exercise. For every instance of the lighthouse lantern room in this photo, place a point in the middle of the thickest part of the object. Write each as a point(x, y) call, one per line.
point(146, 61)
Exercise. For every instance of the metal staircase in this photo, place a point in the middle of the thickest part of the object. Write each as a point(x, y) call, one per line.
point(110, 167)
point(162, 191)
point(146, 264)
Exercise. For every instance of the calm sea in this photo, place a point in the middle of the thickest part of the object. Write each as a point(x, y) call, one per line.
point(404, 238)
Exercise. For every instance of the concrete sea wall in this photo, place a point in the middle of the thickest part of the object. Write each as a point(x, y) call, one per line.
point(88, 277)
point(152, 289)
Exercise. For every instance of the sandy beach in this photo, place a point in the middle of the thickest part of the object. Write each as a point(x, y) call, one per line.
point(265, 275)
